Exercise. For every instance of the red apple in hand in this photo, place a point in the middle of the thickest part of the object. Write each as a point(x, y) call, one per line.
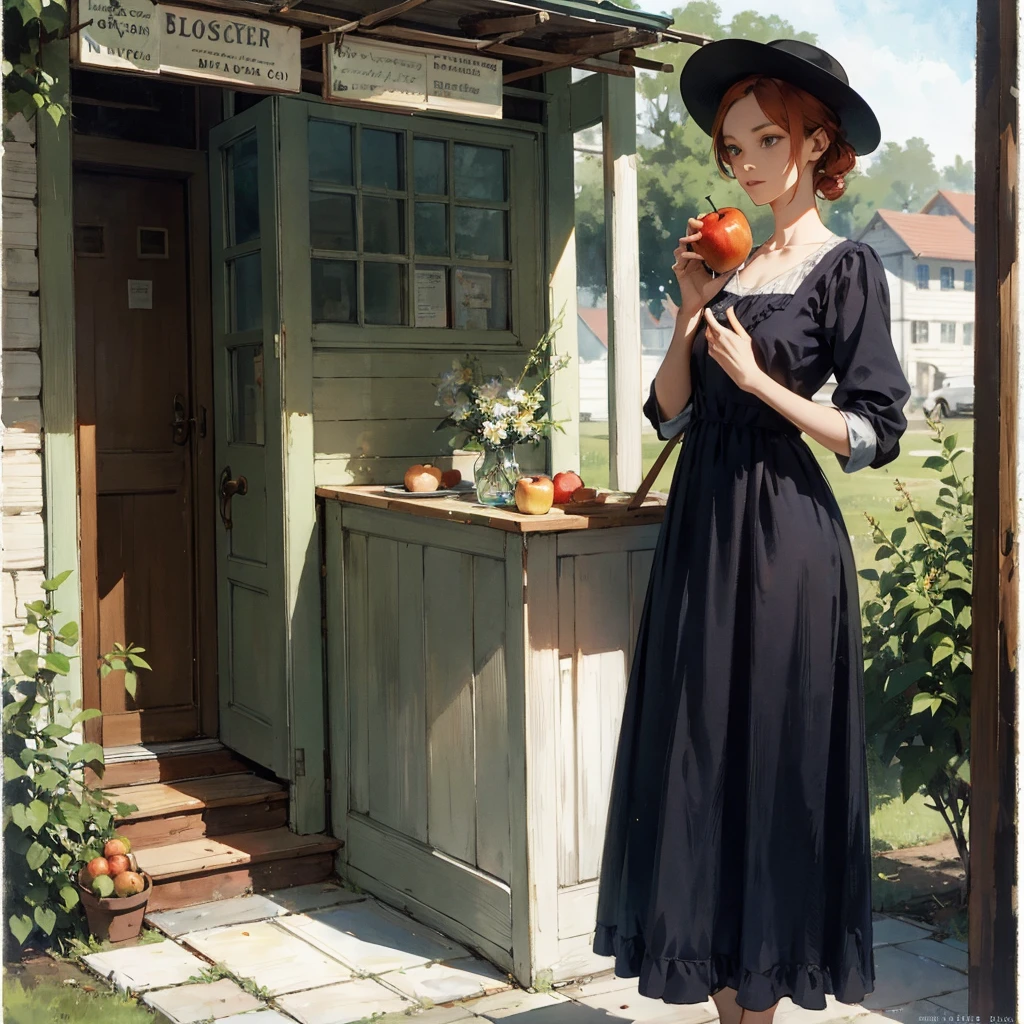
point(534, 494)
point(565, 483)
point(725, 239)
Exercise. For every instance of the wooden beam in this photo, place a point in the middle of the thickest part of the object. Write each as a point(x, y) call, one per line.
point(608, 67)
point(412, 35)
point(603, 42)
point(328, 37)
point(389, 13)
point(992, 900)
point(629, 57)
point(477, 27)
point(622, 248)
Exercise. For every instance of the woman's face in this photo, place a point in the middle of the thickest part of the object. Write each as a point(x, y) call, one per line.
point(759, 151)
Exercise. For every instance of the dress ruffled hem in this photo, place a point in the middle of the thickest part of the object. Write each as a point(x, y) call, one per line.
point(694, 981)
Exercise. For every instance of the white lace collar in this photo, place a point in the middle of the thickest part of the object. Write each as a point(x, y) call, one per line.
point(787, 282)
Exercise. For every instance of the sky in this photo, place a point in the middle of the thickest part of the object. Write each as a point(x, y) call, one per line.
point(912, 60)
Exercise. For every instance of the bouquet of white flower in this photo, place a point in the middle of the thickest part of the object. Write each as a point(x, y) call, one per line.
point(497, 411)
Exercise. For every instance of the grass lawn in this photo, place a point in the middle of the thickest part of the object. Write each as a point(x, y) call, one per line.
point(52, 1001)
point(894, 824)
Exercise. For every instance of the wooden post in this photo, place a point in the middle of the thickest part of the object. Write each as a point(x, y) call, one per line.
point(993, 936)
point(57, 348)
point(623, 262)
point(560, 203)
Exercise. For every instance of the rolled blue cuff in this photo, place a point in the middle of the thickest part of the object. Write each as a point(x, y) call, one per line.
point(863, 443)
point(671, 427)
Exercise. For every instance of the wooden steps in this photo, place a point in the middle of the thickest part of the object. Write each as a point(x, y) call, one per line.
point(193, 808)
point(209, 869)
point(208, 825)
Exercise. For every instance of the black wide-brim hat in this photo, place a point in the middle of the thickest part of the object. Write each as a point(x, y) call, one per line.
point(712, 69)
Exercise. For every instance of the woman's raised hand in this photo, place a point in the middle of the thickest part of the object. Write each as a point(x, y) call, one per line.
point(696, 286)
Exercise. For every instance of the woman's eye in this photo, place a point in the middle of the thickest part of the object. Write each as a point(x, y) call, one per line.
point(769, 140)
point(733, 150)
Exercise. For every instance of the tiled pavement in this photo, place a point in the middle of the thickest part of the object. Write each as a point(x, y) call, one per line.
point(321, 954)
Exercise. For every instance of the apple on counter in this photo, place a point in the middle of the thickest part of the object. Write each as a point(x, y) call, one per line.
point(451, 477)
point(725, 240)
point(565, 483)
point(422, 477)
point(534, 494)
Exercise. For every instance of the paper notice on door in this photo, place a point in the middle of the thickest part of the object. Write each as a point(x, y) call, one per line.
point(431, 299)
point(140, 294)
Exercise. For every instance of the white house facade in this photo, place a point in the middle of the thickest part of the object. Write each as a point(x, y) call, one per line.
point(929, 262)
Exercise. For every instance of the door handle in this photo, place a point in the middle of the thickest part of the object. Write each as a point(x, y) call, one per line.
point(181, 424)
point(228, 489)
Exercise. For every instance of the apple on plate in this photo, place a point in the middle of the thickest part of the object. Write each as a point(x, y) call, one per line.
point(534, 494)
point(565, 483)
point(450, 477)
point(422, 477)
point(725, 239)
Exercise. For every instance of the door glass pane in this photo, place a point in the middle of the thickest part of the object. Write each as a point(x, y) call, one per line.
point(246, 306)
point(431, 296)
point(480, 173)
point(479, 234)
point(432, 229)
point(383, 225)
point(332, 221)
point(334, 291)
point(480, 299)
point(429, 158)
point(247, 394)
point(382, 159)
point(243, 187)
point(330, 152)
point(384, 293)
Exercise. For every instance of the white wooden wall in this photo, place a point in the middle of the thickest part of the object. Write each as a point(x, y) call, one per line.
point(22, 478)
point(374, 413)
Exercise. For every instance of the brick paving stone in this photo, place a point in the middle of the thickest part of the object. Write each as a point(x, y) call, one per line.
point(340, 1004)
point(185, 1004)
point(902, 977)
point(141, 968)
point(463, 978)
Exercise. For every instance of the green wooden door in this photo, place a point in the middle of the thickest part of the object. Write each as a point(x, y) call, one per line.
point(251, 594)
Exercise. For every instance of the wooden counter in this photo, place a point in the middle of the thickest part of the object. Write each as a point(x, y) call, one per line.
point(466, 509)
point(477, 665)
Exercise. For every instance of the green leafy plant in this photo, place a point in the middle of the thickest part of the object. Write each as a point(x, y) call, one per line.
point(917, 642)
point(53, 823)
point(215, 972)
point(28, 87)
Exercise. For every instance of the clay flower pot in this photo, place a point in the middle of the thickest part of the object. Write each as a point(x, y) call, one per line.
point(116, 917)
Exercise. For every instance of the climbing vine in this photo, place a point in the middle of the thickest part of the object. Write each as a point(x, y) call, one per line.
point(28, 87)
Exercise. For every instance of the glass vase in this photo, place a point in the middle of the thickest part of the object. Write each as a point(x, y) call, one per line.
point(495, 474)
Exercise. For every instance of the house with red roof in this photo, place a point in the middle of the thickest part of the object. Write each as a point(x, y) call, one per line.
point(929, 262)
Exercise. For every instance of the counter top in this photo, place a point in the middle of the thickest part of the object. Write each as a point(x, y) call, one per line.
point(466, 509)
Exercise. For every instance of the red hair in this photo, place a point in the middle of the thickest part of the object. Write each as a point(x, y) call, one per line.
point(800, 114)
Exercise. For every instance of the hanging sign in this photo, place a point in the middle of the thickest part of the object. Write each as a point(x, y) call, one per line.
point(217, 46)
point(112, 36)
point(411, 76)
point(227, 48)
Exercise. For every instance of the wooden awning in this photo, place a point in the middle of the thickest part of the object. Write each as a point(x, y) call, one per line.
point(529, 36)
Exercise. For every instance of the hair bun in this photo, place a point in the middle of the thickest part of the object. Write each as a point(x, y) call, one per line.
point(831, 186)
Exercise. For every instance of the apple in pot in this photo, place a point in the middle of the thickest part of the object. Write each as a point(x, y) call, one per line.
point(725, 240)
point(534, 494)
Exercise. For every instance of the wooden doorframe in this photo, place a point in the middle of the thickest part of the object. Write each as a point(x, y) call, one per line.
point(992, 907)
point(190, 167)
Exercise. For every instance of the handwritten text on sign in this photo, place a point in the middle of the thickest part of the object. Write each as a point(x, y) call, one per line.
point(412, 77)
point(229, 48)
point(142, 36)
point(119, 37)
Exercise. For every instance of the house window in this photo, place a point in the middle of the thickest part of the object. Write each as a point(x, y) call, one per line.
point(919, 332)
point(923, 275)
point(945, 278)
point(409, 230)
point(969, 279)
point(947, 332)
point(968, 334)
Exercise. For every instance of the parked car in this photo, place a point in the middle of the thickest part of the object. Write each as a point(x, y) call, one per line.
point(954, 398)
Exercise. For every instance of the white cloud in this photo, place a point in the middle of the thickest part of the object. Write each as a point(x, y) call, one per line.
point(899, 61)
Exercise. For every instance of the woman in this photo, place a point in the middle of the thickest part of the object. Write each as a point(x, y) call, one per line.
point(737, 858)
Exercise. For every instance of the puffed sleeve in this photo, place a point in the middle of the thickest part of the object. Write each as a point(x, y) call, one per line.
point(667, 428)
point(871, 388)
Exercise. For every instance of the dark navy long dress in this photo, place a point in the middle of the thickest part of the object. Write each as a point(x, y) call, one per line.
point(737, 850)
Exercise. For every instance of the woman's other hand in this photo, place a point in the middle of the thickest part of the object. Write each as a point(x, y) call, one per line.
point(696, 286)
point(733, 350)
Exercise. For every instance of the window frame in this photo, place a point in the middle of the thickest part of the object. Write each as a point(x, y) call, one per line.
point(947, 327)
point(527, 298)
point(914, 325)
point(968, 329)
point(943, 277)
point(926, 283)
point(969, 279)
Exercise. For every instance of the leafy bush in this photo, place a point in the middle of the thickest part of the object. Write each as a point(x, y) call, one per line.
point(53, 823)
point(917, 642)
